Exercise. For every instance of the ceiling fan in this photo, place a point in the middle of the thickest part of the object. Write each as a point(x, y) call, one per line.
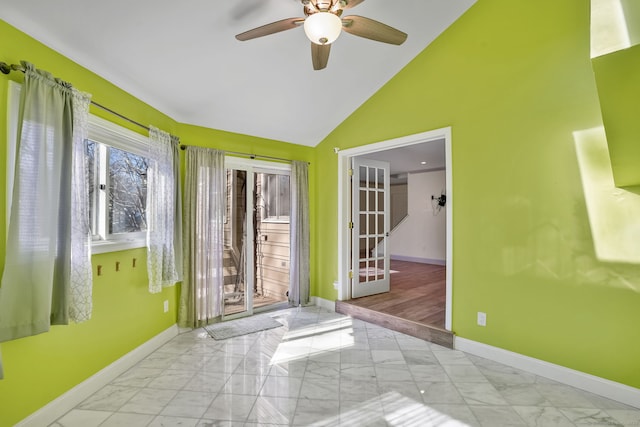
point(323, 23)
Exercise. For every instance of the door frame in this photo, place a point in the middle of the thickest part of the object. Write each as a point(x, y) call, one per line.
point(343, 284)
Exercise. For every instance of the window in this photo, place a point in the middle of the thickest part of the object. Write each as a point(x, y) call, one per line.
point(117, 162)
point(275, 194)
point(117, 179)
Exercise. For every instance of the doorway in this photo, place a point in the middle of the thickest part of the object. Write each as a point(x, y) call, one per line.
point(256, 237)
point(345, 291)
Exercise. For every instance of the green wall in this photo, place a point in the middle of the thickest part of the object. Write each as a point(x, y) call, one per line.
point(514, 81)
point(38, 369)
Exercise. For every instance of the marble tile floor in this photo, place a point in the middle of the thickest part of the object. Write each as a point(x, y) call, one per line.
point(325, 369)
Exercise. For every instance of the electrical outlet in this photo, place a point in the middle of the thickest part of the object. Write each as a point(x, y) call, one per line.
point(482, 319)
point(166, 306)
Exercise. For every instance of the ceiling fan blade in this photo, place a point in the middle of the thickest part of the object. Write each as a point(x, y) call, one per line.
point(320, 55)
point(373, 30)
point(274, 27)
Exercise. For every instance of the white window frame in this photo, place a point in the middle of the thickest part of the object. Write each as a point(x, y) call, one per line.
point(101, 131)
point(105, 132)
point(265, 187)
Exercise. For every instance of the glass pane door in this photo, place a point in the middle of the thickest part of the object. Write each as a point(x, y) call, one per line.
point(370, 217)
point(236, 300)
point(256, 239)
point(272, 238)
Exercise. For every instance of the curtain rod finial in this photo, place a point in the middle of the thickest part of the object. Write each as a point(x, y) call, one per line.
point(5, 68)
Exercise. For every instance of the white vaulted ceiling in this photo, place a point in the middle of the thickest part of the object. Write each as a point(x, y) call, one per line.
point(182, 58)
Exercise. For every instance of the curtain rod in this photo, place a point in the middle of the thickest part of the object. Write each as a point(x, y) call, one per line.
point(239, 153)
point(6, 69)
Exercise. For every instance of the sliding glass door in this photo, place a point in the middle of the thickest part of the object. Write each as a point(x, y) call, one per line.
point(256, 237)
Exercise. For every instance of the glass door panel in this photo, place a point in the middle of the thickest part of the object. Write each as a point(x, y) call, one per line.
point(235, 297)
point(272, 238)
point(256, 239)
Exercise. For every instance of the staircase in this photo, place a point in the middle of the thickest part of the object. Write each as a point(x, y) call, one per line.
point(230, 269)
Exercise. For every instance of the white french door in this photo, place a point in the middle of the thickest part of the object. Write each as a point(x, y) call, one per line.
point(371, 226)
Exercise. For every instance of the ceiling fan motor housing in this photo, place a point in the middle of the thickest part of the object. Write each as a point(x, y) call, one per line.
point(323, 23)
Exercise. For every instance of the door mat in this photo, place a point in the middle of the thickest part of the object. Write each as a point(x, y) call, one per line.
point(244, 326)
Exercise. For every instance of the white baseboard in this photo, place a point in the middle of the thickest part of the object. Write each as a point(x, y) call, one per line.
point(324, 303)
point(419, 260)
point(600, 386)
point(69, 400)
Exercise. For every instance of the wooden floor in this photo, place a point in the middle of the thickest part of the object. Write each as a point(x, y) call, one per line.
point(418, 293)
point(417, 296)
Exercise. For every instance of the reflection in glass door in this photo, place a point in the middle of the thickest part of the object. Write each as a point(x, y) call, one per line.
point(235, 298)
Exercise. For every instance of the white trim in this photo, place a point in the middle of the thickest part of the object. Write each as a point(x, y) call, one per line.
point(600, 386)
point(261, 166)
point(448, 312)
point(106, 132)
point(344, 291)
point(104, 246)
point(323, 303)
point(419, 260)
point(69, 400)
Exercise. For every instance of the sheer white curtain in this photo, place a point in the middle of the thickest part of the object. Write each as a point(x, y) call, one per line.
point(81, 277)
point(162, 188)
point(47, 270)
point(299, 227)
point(177, 211)
point(203, 249)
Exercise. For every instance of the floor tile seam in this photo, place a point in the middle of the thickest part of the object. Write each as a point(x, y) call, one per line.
point(75, 408)
point(520, 416)
point(115, 413)
point(204, 418)
point(119, 407)
point(486, 381)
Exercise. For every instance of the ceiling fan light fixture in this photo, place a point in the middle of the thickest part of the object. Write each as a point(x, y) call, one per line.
point(323, 27)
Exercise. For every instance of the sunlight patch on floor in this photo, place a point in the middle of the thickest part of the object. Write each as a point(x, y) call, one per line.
point(324, 337)
point(397, 410)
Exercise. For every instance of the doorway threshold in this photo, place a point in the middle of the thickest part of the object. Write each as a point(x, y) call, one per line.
point(415, 329)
